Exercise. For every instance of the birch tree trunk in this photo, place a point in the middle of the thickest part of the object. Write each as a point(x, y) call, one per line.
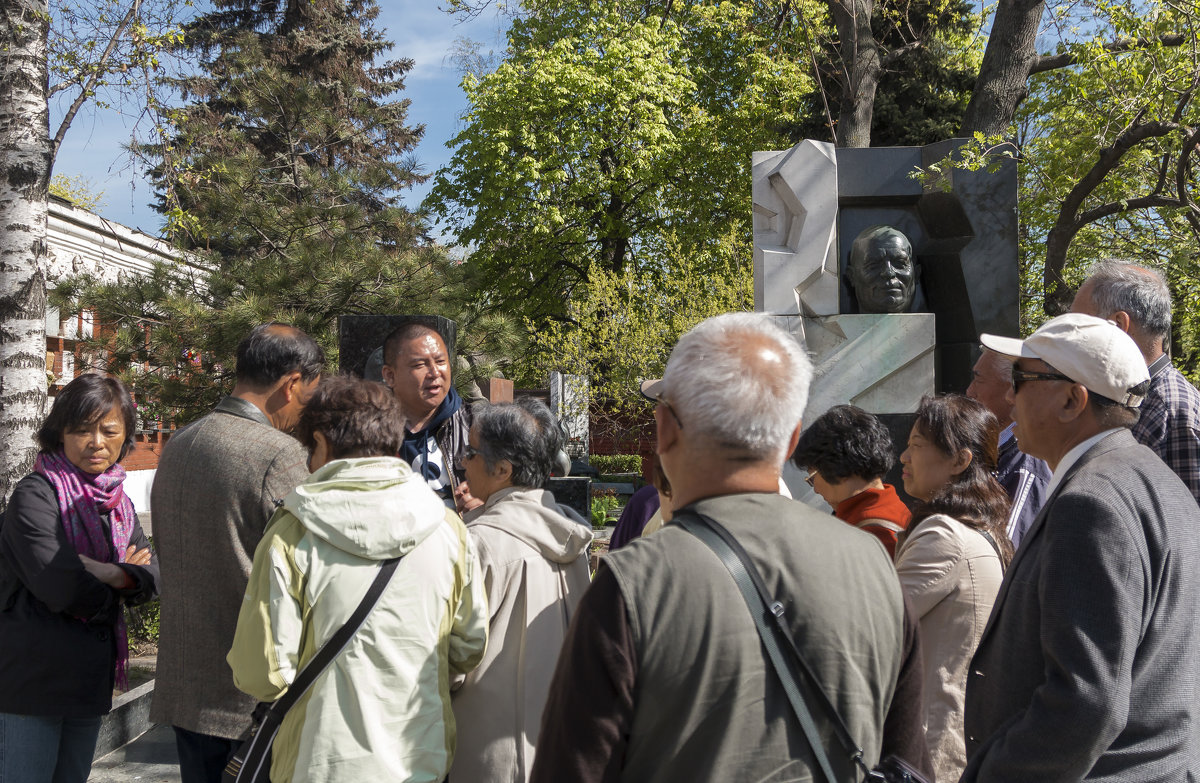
point(25, 155)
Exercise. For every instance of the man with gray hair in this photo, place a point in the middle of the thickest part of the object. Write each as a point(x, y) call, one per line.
point(663, 675)
point(1137, 300)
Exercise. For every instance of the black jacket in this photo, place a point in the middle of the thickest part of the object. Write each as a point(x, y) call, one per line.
point(51, 662)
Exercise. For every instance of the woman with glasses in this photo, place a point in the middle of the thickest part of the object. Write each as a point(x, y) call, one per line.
point(846, 452)
point(952, 558)
point(533, 553)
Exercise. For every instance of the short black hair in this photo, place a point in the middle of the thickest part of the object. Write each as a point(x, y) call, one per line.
point(86, 400)
point(358, 418)
point(846, 441)
point(405, 332)
point(525, 433)
point(273, 350)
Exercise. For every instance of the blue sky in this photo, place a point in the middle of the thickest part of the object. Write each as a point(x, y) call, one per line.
point(419, 30)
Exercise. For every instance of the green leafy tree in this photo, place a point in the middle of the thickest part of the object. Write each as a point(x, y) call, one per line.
point(623, 325)
point(79, 190)
point(1127, 186)
point(928, 58)
point(613, 138)
point(281, 181)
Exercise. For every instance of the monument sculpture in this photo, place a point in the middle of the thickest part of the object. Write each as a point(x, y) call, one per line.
point(882, 271)
point(888, 279)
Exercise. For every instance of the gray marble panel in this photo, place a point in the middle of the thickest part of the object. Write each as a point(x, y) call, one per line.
point(795, 230)
point(881, 363)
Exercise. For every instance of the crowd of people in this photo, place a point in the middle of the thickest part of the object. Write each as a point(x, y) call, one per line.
point(1026, 610)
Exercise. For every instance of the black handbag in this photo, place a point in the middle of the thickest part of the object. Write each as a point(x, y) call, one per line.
point(768, 618)
point(251, 762)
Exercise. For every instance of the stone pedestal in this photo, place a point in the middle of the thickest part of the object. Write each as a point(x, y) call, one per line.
point(884, 364)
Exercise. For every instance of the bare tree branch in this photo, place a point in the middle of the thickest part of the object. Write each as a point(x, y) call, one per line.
point(1050, 62)
point(93, 79)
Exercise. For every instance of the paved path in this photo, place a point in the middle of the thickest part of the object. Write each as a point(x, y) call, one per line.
point(150, 758)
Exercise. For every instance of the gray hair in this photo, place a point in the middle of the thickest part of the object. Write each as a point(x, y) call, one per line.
point(525, 433)
point(1137, 290)
point(741, 381)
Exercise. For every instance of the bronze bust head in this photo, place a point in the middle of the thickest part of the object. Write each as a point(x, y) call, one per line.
point(882, 271)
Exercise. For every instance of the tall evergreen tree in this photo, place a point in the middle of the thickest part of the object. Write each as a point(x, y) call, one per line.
point(282, 174)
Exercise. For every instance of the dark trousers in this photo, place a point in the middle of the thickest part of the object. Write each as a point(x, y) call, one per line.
point(202, 757)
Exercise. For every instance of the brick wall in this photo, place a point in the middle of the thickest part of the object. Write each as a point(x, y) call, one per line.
point(146, 450)
point(612, 434)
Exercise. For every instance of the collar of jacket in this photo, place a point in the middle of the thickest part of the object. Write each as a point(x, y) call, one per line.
point(243, 408)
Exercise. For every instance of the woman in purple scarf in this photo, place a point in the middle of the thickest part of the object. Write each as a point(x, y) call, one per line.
point(71, 554)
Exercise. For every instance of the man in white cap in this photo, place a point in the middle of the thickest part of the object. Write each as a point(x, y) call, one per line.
point(1087, 669)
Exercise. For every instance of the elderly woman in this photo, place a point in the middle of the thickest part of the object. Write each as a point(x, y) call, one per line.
point(952, 558)
point(846, 451)
point(71, 554)
point(380, 711)
point(533, 553)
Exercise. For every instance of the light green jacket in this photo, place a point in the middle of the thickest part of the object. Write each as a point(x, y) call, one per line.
point(381, 711)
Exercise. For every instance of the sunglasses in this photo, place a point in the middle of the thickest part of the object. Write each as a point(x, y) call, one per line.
point(1021, 376)
point(470, 451)
point(812, 475)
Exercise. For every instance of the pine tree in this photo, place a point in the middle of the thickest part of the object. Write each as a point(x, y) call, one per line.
point(282, 174)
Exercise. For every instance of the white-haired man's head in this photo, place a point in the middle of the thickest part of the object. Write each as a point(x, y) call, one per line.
point(740, 382)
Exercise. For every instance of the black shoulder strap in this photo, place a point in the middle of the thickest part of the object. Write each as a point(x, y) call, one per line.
point(768, 618)
point(336, 643)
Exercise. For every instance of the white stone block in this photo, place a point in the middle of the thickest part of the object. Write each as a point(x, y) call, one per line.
point(795, 230)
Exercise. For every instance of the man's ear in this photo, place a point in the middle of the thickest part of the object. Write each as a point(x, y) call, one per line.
point(290, 385)
point(388, 375)
point(1122, 320)
point(666, 429)
point(1075, 403)
point(792, 441)
point(503, 470)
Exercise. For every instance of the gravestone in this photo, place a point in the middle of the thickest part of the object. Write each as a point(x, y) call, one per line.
point(569, 397)
point(810, 204)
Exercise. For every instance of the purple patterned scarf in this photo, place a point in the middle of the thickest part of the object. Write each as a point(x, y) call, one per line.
point(82, 499)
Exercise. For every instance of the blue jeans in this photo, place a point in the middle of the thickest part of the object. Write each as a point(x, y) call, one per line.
point(202, 757)
point(40, 749)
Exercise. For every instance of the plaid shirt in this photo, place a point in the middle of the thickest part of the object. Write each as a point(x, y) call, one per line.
point(1170, 424)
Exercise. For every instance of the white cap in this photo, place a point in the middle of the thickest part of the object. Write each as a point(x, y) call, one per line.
point(1086, 349)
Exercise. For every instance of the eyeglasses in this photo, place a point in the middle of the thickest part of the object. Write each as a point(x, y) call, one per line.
point(812, 475)
point(470, 451)
point(671, 408)
point(1020, 376)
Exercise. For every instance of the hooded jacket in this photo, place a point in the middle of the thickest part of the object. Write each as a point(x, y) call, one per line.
point(381, 711)
point(533, 553)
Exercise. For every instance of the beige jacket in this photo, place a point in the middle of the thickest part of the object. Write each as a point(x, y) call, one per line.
point(533, 554)
point(951, 574)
